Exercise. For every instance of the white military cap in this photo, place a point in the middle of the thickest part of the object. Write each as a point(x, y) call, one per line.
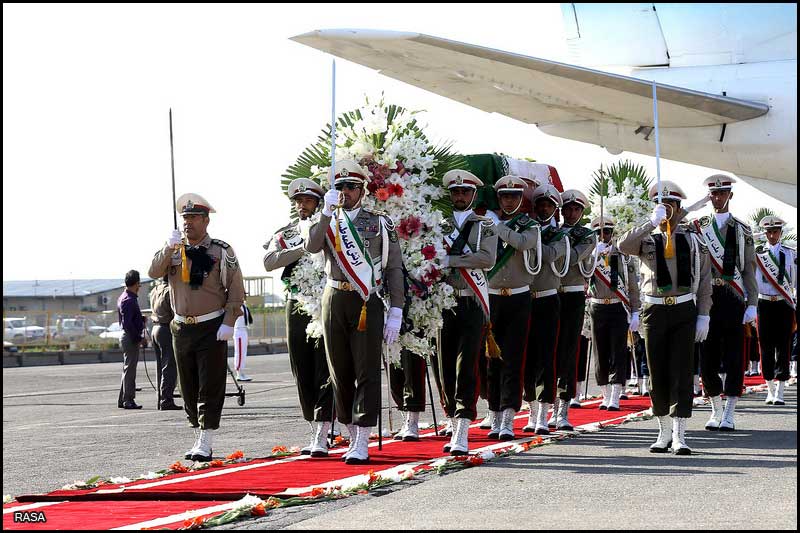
point(350, 170)
point(193, 204)
point(531, 181)
point(607, 222)
point(510, 183)
point(574, 195)
point(669, 191)
point(547, 191)
point(772, 222)
point(461, 178)
point(719, 182)
point(305, 186)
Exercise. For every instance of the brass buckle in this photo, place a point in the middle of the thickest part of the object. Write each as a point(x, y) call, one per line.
point(505, 291)
point(191, 320)
point(669, 300)
point(607, 301)
point(719, 282)
point(345, 286)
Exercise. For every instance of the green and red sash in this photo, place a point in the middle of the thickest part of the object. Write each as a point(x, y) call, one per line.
point(770, 267)
point(603, 274)
point(353, 259)
point(707, 226)
point(475, 278)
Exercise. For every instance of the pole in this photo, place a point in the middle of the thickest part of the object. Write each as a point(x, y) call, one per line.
point(172, 162)
point(658, 146)
point(430, 393)
point(588, 367)
point(333, 124)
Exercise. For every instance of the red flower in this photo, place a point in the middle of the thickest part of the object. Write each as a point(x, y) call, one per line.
point(400, 169)
point(373, 477)
point(216, 463)
point(409, 227)
point(258, 510)
point(317, 491)
point(177, 466)
point(428, 252)
point(475, 460)
point(238, 454)
point(382, 194)
point(431, 277)
point(395, 189)
point(279, 449)
point(194, 523)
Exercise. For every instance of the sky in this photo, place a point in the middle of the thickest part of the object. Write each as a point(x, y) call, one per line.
point(86, 94)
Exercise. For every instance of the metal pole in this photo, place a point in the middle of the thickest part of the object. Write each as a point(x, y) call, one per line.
point(658, 146)
point(430, 393)
point(333, 124)
point(588, 367)
point(172, 162)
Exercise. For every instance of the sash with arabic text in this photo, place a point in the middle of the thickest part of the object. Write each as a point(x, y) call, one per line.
point(716, 249)
point(475, 278)
point(770, 267)
point(353, 260)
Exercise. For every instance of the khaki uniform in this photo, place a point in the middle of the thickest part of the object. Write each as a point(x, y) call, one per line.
point(724, 347)
point(609, 320)
point(668, 328)
point(511, 312)
point(201, 358)
point(354, 357)
point(166, 371)
point(572, 299)
point(463, 328)
point(306, 356)
point(540, 367)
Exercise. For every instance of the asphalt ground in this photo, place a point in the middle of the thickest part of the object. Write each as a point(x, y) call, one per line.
point(61, 424)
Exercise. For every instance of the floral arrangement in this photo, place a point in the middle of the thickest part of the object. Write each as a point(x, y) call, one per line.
point(624, 188)
point(404, 171)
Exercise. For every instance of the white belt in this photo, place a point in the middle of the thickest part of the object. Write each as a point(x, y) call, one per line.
point(770, 297)
point(345, 285)
point(572, 288)
point(201, 318)
point(548, 292)
point(509, 292)
point(463, 292)
point(669, 300)
point(605, 301)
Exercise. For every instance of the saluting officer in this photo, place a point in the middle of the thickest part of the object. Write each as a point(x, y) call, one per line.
point(472, 248)
point(540, 365)
point(572, 299)
point(362, 254)
point(735, 296)
point(519, 238)
point(676, 287)
point(614, 299)
point(306, 356)
point(777, 279)
point(206, 307)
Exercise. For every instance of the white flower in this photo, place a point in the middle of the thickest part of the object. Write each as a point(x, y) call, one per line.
point(151, 475)
point(119, 480)
point(7, 498)
point(247, 502)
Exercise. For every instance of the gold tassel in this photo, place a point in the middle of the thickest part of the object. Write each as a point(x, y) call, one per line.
point(362, 320)
point(492, 349)
point(184, 265)
point(669, 248)
point(339, 249)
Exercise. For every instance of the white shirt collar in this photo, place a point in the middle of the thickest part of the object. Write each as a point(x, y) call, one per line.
point(353, 213)
point(722, 218)
point(776, 249)
point(461, 216)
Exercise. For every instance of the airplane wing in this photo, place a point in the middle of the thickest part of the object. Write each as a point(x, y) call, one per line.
point(535, 91)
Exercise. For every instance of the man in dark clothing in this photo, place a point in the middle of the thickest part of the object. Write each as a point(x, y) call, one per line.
point(132, 324)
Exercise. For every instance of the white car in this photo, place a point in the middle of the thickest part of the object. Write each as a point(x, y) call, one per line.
point(114, 331)
point(15, 329)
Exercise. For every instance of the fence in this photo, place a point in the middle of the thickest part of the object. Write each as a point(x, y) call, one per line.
point(79, 330)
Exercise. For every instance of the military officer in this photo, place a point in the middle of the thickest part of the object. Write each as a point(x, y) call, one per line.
point(676, 287)
point(509, 297)
point(361, 254)
point(614, 297)
point(572, 301)
point(207, 292)
point(735, 295)
point(472, 248)
point(540, 365)
point(777, 279)
point(166, 372)
point(306, 356)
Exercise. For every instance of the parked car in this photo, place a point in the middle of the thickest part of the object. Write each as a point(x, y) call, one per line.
point(114, 331)
point(10, 347)
point(16, 330)
point(75, 328)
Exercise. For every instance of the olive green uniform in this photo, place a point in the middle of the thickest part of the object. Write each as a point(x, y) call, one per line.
point(166, 369)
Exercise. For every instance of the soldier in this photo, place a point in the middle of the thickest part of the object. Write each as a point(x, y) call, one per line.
point(206, 307)
point(676, 273)
point(572, 301)
point(540, 366)
point(361, 255)
point(509, 298)
point(472, 248)
point(306, 356)
point(777, 280)
point(735, 295)
point(167, 373)
point(614, 297)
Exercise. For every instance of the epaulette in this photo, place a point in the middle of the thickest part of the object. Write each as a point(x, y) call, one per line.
point(761, 248)
point(525, 220)
point(688, 228)
point(704, 221)
point(486, 222)
point(218, 242)
point(287, 226)
point(375, 212)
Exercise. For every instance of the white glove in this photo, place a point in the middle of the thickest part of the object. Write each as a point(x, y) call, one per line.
point(392, 328)
point(603, 248)
point(224, 333)
point(445, 261)
point(701, 330)
point(331, 199)
point(174, 238)
point(634, 326)
point(659, 215)
point(698, 204)
point(750, 314)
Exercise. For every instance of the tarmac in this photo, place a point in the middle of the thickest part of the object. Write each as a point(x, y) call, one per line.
point(61, 424)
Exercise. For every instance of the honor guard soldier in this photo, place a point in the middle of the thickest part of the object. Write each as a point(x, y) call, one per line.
point(735, 295)
point(540, 365)
point(306, 356)
point(676, 291)
point(614, 301)
point(471, 247)
point(777, 280)
point(207, 292)
point(572, 299)
point(509, 298)
point(361, 255)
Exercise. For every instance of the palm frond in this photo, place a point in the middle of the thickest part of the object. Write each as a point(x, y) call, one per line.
point(618, 174)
